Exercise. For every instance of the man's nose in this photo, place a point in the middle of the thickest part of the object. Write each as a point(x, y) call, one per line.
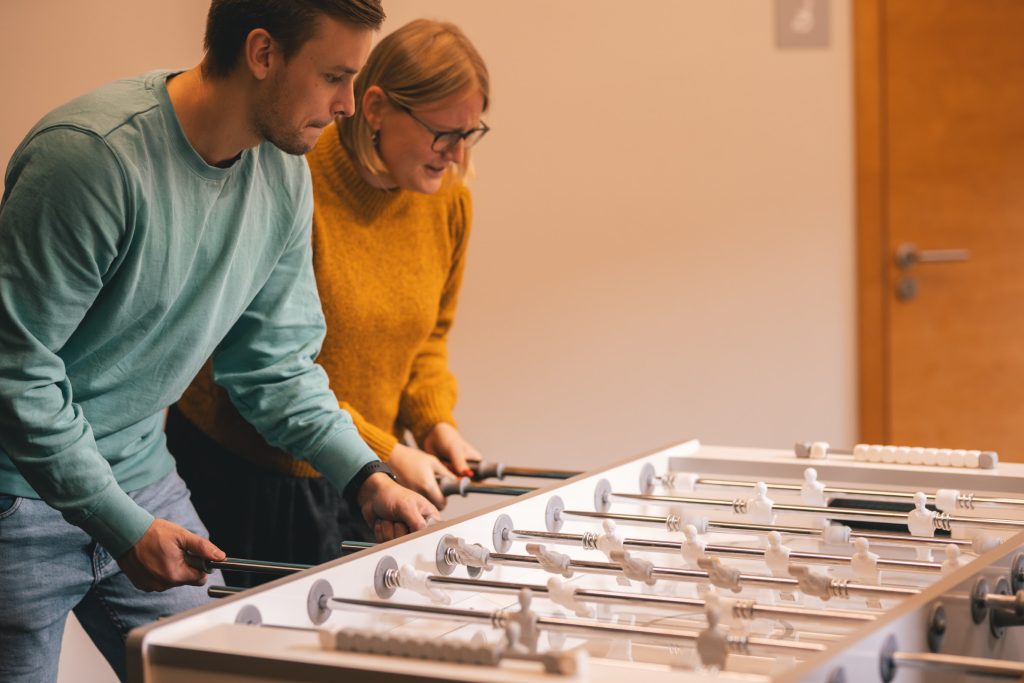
point(345, 103)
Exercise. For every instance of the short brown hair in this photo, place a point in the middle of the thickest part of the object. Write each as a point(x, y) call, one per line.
point(290, 22)
point(423, 62)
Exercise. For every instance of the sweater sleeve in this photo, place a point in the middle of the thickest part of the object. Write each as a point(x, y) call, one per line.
point(66, 211)
point(429, 396)
point(380, 440)
point(266, 364)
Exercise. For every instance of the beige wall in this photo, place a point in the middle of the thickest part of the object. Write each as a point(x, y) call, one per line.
point(663, 244)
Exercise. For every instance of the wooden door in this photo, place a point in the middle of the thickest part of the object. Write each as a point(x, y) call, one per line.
point(940, 147)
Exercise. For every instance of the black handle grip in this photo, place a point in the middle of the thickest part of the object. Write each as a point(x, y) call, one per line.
point(197, 562)
point(450, 486)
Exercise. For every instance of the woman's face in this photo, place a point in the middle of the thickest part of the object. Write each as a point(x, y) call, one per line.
point(405, 142)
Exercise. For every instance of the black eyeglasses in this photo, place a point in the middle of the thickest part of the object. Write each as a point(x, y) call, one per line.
point(446, 140)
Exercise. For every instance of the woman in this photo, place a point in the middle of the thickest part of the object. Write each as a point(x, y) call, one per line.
point(391, 223)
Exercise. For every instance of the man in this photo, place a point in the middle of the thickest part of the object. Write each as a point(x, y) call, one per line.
point(145, 227)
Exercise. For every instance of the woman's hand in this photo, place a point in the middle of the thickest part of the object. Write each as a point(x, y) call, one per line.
point(445, 442)
point(418, 471)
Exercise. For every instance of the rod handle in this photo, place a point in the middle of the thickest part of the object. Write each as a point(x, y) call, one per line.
point(450, 486)
point(199, 563)
point(488, 470)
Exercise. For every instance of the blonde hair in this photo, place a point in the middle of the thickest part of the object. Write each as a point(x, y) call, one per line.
point(423, 62)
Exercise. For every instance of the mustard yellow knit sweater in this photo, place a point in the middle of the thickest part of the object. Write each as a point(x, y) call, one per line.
point(388, 267)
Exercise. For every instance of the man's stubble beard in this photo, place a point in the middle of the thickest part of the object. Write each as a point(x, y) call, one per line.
point(271, 124)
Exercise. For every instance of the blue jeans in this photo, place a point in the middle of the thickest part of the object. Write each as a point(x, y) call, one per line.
point(49, 567)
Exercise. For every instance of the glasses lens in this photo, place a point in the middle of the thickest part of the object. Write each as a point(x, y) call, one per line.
point(474, 136)
point(446, 141)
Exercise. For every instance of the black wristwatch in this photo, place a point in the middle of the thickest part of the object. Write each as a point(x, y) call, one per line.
point(355, 483)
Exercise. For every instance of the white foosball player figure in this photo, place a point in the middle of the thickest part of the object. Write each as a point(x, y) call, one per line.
point(759, 508)
point(812, 491)
point(685, 482)
point(470, 554)
point(776, 555)
point(864, 563)
point(550, 560)
point(692, 547)
point(953, 559)
point(713, 642)
point(563, 594)
point(634, 568)
point(983, 540)
point(521, 629)
point(610, 540)
point(721, 575)
point(834, 534)
point(811, 583)
point(412, 579)
point(921, 520)
point(947, 499)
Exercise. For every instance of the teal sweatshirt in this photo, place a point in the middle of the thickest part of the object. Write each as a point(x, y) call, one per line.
point(125, 262)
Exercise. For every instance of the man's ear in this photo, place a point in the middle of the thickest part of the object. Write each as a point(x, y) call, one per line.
point(259, 52)
point(374, 101)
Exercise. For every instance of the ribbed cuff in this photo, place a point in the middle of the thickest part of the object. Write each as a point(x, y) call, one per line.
point(117, 522)
point(342, 457)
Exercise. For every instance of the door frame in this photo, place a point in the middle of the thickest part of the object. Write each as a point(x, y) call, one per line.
point(872, 228)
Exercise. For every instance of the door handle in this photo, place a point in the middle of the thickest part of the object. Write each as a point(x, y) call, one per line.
point(908, 254)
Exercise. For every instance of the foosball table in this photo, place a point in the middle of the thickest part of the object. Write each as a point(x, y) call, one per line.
point(692, 563)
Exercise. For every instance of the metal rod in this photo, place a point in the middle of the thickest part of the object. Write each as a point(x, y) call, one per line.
point(979, 666)
point(240, 565)
point(498, 618)
point(540, 473)
point(499, 490)
point(434, 611)
point(486, 470)
point(355, 546)
point(755, 609)
point(662, 522)
point(670, 636)
point(1013, 602)
point(833, 513)
point(255, 566)
point(450, 486)
point(589, 541)
point(748, 609)
point(223, 591)
point(796, 488)
point(841, 586)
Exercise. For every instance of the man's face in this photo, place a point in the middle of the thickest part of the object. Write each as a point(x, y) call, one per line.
point(300, 97)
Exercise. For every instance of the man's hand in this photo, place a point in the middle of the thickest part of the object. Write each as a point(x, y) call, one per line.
point(157, 561)
point(445, 442)
point(419, 471)
point(392, 510)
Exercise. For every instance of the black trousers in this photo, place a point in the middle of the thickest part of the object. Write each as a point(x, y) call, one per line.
point(256, 514)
